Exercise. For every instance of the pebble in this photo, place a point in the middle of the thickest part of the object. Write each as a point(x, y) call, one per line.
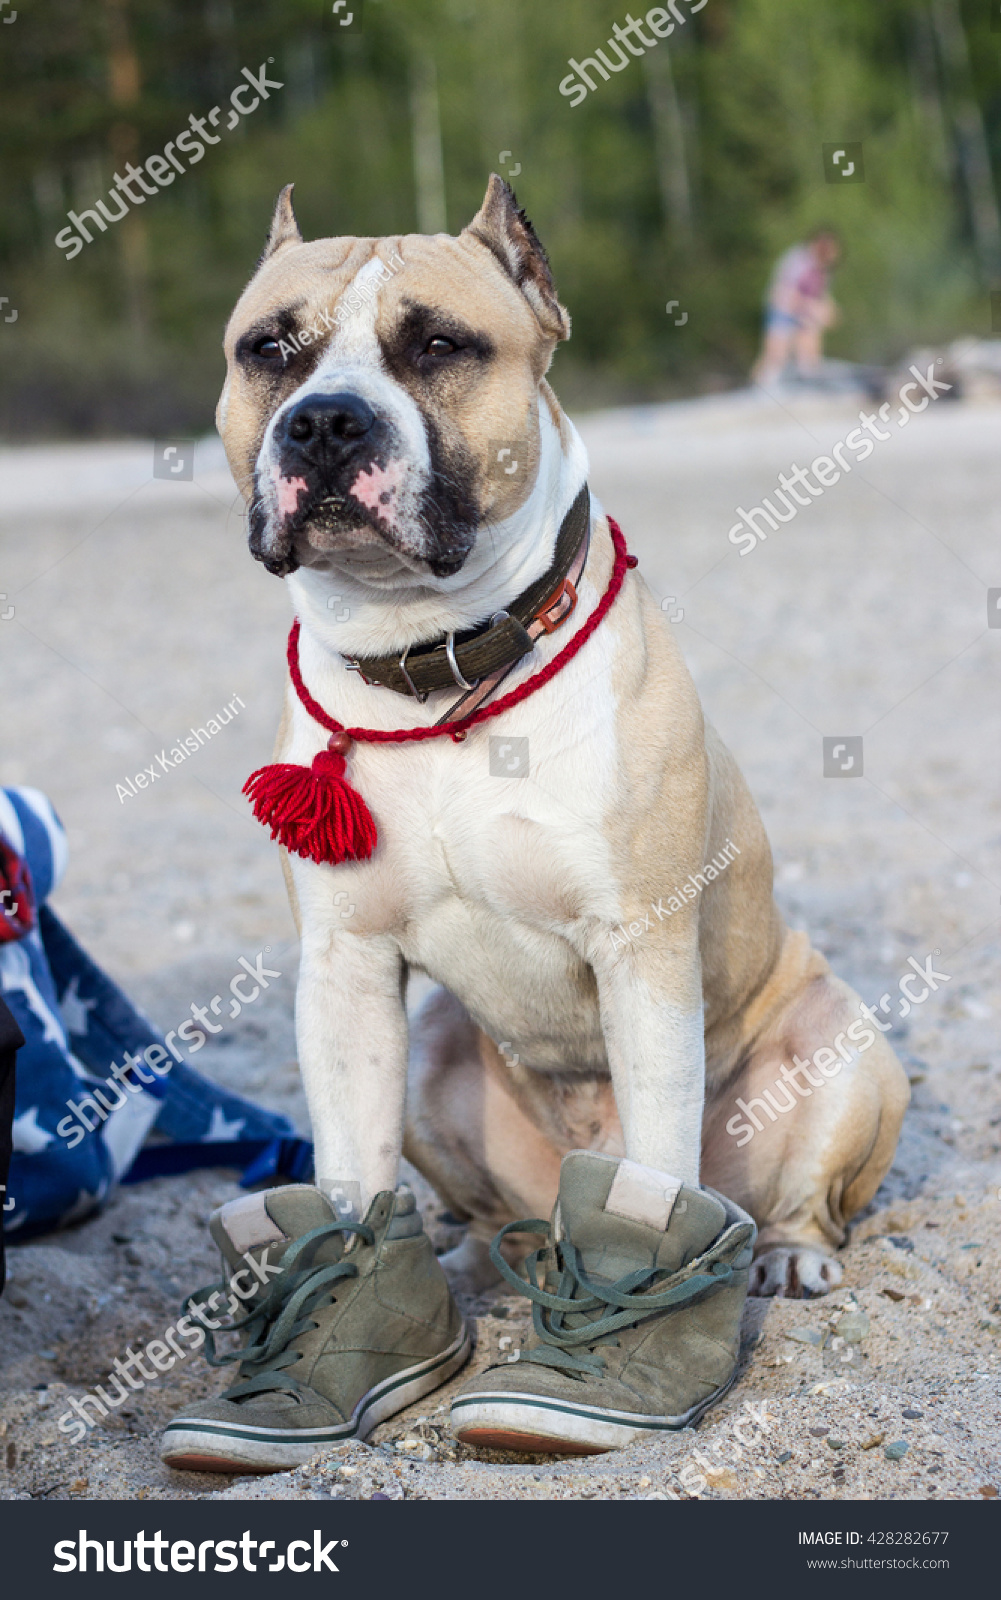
point(896, 1450)
point(853, 1327)
point(910, 1413)
point(836, 1444)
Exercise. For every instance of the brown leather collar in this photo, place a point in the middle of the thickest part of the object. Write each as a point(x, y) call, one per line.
point(468, 659)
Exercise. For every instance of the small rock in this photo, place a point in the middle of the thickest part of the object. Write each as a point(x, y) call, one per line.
point(805, 1335)
point(901, 1241)
point(784, 1457)
point(911, 1414)
point(988, 1491)
point(820, 1433)
point(644, 1483)
point(836, 1444)
point(897, 1450)
point(853, 1327)
point(893, 1294)
point(871, 1444)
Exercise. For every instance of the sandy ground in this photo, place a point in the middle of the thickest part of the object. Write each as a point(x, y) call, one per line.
point(137, 612)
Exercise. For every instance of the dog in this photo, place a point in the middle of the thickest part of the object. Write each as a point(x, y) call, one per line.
point(377, 391)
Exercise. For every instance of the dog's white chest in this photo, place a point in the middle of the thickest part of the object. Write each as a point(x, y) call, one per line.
point(491, 870)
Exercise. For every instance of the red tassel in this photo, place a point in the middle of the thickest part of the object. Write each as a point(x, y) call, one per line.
point(313, 811)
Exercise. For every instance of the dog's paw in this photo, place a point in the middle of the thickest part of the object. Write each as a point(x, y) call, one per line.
point(793, 1272)
point(468, 1267)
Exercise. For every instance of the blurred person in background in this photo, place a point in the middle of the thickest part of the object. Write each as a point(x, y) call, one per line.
point(798, 310)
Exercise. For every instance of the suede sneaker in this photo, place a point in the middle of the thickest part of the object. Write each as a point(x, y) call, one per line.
point(344, 1324)
point(637, 1317)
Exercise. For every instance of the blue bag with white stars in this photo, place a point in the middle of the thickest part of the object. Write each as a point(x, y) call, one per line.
point(84, 1117)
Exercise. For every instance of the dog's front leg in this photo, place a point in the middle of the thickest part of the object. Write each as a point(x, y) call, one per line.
point(650, 994)
point(351, 1029)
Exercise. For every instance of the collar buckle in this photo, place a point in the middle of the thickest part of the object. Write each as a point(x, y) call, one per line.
point(561, 602)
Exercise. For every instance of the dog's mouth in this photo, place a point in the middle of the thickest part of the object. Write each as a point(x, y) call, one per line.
point(362, 527)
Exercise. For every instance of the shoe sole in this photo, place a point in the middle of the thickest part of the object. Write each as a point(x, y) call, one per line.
point(537, 1426)
point(192, 1445)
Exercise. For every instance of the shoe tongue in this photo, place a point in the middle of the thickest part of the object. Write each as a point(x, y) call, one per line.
point(623, 1216)
point(272, 1219)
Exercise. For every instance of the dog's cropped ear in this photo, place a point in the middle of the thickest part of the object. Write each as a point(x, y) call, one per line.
point(503, 227)
point(284, 228)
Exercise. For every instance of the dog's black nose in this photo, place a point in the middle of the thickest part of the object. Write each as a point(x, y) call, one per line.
point(322, 421)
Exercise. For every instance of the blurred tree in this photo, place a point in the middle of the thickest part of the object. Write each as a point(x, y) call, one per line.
point(681, 177)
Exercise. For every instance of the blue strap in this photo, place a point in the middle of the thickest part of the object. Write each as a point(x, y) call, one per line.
point(258, 1159)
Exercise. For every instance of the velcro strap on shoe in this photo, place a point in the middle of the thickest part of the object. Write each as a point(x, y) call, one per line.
point(641, 1194)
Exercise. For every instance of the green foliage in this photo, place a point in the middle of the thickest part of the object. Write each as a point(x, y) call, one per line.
point(126, 336)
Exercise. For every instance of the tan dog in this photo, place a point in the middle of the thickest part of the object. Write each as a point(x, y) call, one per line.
point(606, 915)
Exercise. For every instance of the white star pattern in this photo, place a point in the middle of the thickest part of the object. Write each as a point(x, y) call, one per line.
point(220, 1129)
point(74, 1009)
point(15, 975)
point(27, 1136)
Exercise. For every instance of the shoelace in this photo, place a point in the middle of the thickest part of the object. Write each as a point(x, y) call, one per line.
point(283, 1313)
point(583, 1314)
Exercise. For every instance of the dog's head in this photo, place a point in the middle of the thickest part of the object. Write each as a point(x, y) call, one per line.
point(373, 383)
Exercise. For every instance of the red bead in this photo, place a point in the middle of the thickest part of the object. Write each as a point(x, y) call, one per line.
point(340, 743)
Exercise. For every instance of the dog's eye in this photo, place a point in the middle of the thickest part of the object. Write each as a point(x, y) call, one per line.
point(267, 348)
point(440, 346)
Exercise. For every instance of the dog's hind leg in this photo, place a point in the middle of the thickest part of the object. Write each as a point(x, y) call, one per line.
point(490, 1137)
point(804, 1131)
